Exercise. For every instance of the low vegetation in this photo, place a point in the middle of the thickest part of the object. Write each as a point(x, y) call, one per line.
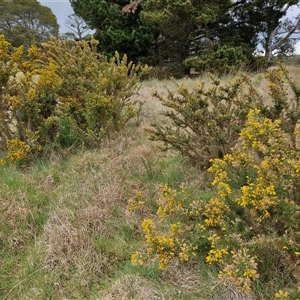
point(92, 208)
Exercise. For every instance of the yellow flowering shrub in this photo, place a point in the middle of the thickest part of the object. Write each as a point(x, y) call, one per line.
point(166, 240)
point(241, 270)
point(62, 94)
point(264, 203)
point(95, 95)
point(17, 150)
point(136, 202)
point(250, 228)
point(27, 100)
point(163, 246)
point(206, 122)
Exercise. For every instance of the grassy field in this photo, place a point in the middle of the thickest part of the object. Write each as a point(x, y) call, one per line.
point(66, 232)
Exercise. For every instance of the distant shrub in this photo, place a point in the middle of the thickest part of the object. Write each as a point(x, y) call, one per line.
point(219, 59)
point(167, 71)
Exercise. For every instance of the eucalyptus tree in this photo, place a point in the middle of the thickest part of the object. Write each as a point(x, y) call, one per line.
point(26, 22)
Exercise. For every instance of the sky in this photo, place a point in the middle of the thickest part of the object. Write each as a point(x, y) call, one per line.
point(61, 9)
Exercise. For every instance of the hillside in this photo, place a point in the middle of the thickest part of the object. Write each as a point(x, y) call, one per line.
point(66, 232)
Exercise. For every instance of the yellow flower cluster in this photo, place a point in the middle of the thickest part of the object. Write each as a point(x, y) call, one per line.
point(281, 295)
point(34, 52)
point(17, 150)
point(163, 246)
point(221, 177)
point(215, 211)
point(170, 202)
point(275, 84)
point(49, 81)
point(259, 134)
point(259, 195)
point(215, 254)
point(241, 271)
point(136, 202)
point(4, 49)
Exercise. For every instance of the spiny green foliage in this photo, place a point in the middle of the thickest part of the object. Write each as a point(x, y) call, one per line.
point(95, 92)
point(62, 95)
point(250, 228)
point(206, 124)
point(285, 94)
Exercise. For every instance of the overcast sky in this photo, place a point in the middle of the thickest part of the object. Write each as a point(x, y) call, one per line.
point(61, 9)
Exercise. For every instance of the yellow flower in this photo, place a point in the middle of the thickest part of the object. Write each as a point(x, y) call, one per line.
point(281, 294)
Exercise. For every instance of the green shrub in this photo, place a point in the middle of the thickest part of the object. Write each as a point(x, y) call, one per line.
point(219, 59)
point(250, 229)
point(206, 123)
point(62, 95)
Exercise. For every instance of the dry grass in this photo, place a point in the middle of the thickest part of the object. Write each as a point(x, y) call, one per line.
point(83, 245)
point(133, 287)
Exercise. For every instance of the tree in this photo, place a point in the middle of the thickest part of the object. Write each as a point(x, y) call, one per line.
point(115, 29)
point(286, 37)
point(283, 38)
point(77, 25)
point(174, 24)
point(195, 28)
point(168, 32)
point(26, 22)
point(268, 19)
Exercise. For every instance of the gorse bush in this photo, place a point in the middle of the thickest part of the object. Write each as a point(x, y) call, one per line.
point(62, 95)
point(95, 92)
point(285, 95)
point(250, 229)
point(206, 123)
point(28, 100)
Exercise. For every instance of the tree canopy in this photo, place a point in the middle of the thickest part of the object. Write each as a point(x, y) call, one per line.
point(115, 29)
point(170, 31)
point(26, 22)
